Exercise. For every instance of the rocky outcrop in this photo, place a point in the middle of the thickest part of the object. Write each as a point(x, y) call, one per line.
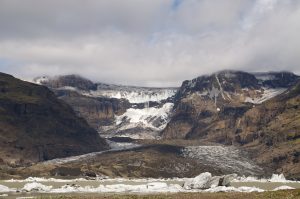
point(36, 126)
point(259, 112)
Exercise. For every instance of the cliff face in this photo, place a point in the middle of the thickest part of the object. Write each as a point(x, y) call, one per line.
point(36, 126)
point(259, 112)
point(97, 111)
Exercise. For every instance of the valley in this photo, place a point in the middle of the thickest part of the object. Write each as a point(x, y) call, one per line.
point(224, 123)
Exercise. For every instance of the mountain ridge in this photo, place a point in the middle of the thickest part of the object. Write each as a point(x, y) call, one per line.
point(36, 126)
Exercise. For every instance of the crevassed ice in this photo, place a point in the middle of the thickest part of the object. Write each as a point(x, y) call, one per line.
point(226, 157)
point(135, 96)
point(145, 116)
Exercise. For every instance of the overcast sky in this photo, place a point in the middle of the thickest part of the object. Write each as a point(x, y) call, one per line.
point(147, 42)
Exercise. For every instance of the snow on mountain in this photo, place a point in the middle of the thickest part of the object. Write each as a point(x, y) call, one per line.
point(144, 115)
point(266, 94)
point(264, 76)
point(143, 123)
point(137, 122)
point(132, 94)
point(140, 121)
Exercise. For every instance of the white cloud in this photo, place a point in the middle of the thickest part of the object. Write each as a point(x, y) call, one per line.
point(147, 42)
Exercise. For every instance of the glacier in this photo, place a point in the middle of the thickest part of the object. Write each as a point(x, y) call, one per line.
point(132, 94)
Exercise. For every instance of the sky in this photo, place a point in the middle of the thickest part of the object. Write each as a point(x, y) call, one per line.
point(147, 42)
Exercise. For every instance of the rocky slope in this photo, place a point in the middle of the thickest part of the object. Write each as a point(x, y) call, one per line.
point(36, 126)
point(115, 110)
point(259, 112)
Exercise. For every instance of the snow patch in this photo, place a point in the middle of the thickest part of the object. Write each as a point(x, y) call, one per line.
point(267, 94)
point(122, 145)
point(264, 77)
point(41, 80)
point(70, 88)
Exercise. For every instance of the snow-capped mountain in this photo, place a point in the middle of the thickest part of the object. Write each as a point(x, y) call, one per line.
point(116, 110)
point(142, 112)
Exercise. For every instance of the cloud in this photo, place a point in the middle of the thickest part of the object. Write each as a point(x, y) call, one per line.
point(149, 43)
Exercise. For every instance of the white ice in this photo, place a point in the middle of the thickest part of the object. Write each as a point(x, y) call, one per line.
point(134, 94)
point(145, 117)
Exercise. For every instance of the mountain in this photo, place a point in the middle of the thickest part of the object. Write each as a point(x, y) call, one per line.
point(36, 126)
point(115, 110)
point(258, 112)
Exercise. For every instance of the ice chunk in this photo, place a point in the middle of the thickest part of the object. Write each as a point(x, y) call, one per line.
point(36, 187)
point(277, 178)
point(4, 189)
point(284, 187)
point(227, 179)
point(249, 189)
point(199, 182)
